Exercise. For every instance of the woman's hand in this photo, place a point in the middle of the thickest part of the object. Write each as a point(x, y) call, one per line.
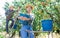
point(20, 17)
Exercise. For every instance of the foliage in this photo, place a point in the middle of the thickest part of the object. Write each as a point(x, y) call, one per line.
point(42, 10)
point(1, 36)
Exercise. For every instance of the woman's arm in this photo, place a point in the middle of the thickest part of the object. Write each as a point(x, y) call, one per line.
point(27, 18)
point(23, 18)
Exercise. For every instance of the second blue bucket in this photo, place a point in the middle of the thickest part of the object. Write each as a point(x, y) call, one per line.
point(47, 25)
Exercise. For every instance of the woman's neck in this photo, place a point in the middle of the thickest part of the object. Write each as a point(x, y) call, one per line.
point(28, 12)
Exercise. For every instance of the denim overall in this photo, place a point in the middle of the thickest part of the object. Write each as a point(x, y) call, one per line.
point(26, 26)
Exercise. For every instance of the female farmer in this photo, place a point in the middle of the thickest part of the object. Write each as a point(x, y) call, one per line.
point(27, 23)
point(9, 16)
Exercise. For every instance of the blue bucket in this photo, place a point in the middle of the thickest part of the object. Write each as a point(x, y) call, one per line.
point(47, 25)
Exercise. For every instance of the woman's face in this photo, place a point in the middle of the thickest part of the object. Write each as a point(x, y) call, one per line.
point(28, 9)
point(11, 8)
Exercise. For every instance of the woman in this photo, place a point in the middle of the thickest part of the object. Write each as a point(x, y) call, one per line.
point(9, 16)
point(27, 25)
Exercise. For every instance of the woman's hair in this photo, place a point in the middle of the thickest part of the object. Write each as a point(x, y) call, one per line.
point(11, 6)
point(29, 6)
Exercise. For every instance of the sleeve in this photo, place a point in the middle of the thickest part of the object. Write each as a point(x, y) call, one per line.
point(6, 13)
point(32, 16)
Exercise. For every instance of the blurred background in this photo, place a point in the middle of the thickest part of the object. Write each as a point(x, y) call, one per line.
point(43, 9)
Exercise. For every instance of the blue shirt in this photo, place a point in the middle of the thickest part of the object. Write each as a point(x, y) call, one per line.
point(27, 22)
point(24, 22)
point(9, 13)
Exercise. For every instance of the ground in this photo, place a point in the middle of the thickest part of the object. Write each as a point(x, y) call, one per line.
point(42, 35)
